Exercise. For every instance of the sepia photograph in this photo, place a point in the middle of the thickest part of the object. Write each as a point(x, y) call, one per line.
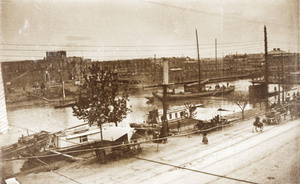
point(149, 91)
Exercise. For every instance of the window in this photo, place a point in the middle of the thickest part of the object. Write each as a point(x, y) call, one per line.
point(170, 116)
point(181, 114)
point(176, 115)
point(83, 138)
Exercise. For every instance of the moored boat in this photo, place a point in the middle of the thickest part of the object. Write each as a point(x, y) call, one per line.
point(85, 134)
point(192, 95)
point(43, 144)
point(174, 114)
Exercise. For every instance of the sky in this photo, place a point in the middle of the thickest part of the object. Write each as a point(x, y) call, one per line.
point(127, 29)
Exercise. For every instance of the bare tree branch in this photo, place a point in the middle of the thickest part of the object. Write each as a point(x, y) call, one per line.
point(240, 99)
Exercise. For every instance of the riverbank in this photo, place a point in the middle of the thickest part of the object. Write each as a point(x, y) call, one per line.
point(149, 147)
point(278, 166)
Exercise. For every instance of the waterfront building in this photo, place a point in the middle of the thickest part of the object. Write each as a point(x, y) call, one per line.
point(34, 76)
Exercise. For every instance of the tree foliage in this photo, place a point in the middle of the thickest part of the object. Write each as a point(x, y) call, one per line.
point(191, 109)
point(240, 99)
point(99, 100)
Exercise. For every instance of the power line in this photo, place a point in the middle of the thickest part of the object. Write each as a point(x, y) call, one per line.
point(194, 170)
point(134, 46)
point(138, 50)
point(216, 14)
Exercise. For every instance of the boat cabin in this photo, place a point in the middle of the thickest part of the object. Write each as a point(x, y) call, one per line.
point(174, 114)
point(85, 134)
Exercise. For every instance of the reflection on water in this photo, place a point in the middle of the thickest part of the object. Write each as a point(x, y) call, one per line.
point(32, 120)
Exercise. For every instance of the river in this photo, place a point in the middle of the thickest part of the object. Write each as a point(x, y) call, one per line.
point(31, 120)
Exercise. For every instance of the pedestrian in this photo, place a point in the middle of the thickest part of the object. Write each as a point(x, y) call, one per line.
point(178, 126)
point(204, 139)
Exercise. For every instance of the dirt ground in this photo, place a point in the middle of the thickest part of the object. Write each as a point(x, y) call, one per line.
point(233, 155)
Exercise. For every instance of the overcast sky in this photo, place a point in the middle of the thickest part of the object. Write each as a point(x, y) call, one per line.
point(120, 29)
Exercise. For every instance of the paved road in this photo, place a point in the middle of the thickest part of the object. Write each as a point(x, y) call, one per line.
point(233, 155)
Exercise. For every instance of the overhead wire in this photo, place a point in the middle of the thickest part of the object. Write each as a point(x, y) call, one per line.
point(194, 170)
point(216, 14)
point(89, 46)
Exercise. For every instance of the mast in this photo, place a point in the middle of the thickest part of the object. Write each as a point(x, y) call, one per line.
point(199, 65)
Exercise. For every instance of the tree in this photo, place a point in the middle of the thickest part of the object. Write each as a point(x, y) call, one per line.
point(99, 100)
point(191, 109)
point(239, 98)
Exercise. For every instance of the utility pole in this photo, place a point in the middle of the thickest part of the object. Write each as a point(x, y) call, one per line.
point(282, 79)
point(278, 69)
point(165, 126)
point(62, 80)
point(216, 56)
point(222, 66)
point(199, 64)
point(236, 63)
point(266, 60)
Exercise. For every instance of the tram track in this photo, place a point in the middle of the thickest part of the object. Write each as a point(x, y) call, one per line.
point(195, 165)
point(189, 156)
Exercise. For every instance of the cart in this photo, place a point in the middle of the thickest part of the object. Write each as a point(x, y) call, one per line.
point(272, 117)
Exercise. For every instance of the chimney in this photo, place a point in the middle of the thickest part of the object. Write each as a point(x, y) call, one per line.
point(165, 71)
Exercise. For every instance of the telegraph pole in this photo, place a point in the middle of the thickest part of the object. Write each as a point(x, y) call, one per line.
point(216, 56)
point(282, 79)
point(266, 69)
point(199, 64)
point(236, 63)
point(266, 60)
point(165, 126)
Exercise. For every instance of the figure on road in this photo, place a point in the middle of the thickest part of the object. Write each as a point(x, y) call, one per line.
point(204, 139)
point(178, 126)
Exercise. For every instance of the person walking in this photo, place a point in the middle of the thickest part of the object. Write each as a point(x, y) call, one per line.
point(204, 139)
point(178, 126)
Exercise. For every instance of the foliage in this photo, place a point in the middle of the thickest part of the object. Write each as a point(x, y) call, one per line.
point(191, 108)
point(241, 99)
point(99, 100)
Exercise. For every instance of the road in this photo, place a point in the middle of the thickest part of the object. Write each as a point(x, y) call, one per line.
point(233, 155)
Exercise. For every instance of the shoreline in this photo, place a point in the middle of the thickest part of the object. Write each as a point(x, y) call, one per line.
point(186, 129)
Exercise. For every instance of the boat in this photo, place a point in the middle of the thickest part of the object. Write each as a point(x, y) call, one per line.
point(64, 105)
point(174, 114)
point(183, 95)
point(194, 90)
point(85, 135)
point(75, 138)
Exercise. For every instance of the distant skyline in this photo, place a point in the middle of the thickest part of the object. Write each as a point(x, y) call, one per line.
point(127, 29)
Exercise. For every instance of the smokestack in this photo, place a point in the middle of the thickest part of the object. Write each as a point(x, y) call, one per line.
point(165, 71)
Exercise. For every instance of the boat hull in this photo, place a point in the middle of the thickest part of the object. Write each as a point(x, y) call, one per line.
point(184, 96)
